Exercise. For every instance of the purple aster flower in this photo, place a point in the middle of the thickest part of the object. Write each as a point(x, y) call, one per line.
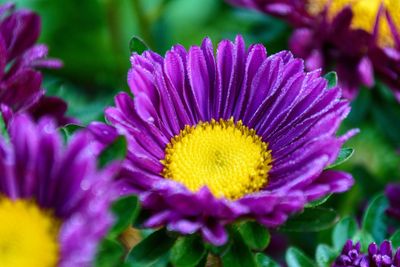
point(53, 201)
point(376, 257)
point(293, 11)
point(355, 38)
point(20, 82)
point(213, 138)
point(393, 194)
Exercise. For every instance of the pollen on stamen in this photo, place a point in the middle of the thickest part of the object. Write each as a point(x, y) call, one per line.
point(28, 235)
point(365, 14)
point(226, 156)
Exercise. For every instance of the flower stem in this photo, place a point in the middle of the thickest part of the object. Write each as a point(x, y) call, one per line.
point(130, 238)
point(213, 261)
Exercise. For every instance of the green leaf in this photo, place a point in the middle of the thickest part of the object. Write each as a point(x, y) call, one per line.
point(332, 79)
point(69, 129)
point(255, 235)
point(344, 230)
point(325, 255)
point(311, 220)
point(218, 250)
point(375, 220)
point(109, 254)
point(364, 238)
point(395, 238)
point(344, 155)
point(115, 151)
point(296, 258)
point(203, 261)
point(188, 251)
point(151, 249)
point(126, 210)
point(137, 45)
point(318, 202)
point(3, 128)
point(238, 254)
point(265, 261)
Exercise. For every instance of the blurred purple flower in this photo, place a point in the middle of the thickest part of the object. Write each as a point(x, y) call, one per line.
point(20, 82)
point(377, 256)
point(53, 201)
point(393, 194)
point(356, 39)
point(215, 138)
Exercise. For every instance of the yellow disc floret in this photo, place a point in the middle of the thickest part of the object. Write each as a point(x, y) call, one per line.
point(365, 13)
point(28, 235)
point(227, 157)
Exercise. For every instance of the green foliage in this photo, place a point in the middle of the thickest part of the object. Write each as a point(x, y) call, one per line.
point(84, 106)
point(110, 253)
point(137, 45)
point(297, 258)
point(125, 209)
point(364, 238)
point(238, 254)
point(188, 251)
point(395, 238)
point(311, 220)
point(318, 202)
point(3, 128)
point(255, 235)
point(344, 155)
point(151, 250)
point(344, 230)
point(69, 129)
point(374, 220)
point(332, 79)
point(265, 261)
point(325, 255)
point(115, 151)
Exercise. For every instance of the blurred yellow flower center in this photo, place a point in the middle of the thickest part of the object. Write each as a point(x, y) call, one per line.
point(28, 235)
point(365, 14)
point(227, 157)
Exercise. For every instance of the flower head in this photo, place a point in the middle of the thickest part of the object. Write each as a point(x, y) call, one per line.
point(377, 256)
point(357, 38)
point(53, 201)
point(20, 82)
point(216, 138)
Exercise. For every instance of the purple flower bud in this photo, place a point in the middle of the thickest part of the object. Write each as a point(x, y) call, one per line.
point(382, 257)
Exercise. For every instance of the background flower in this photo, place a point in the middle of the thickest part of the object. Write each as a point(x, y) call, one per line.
point(51, 191)
point(356, 39)
point(393, 194)
point(20, 83)
point(376, 256)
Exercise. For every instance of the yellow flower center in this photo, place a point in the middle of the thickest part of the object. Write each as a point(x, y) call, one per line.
point(365, 13)
point(28, 235)
point(227, 157)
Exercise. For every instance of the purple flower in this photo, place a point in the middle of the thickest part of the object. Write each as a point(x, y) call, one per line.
point(357, 39)
point(393, 194)
point(53, 201)
point(20, 82)
point(213, 138)
point(293, 11)
point(376, 257)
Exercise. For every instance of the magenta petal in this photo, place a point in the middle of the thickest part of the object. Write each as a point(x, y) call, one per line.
point(63, 179)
